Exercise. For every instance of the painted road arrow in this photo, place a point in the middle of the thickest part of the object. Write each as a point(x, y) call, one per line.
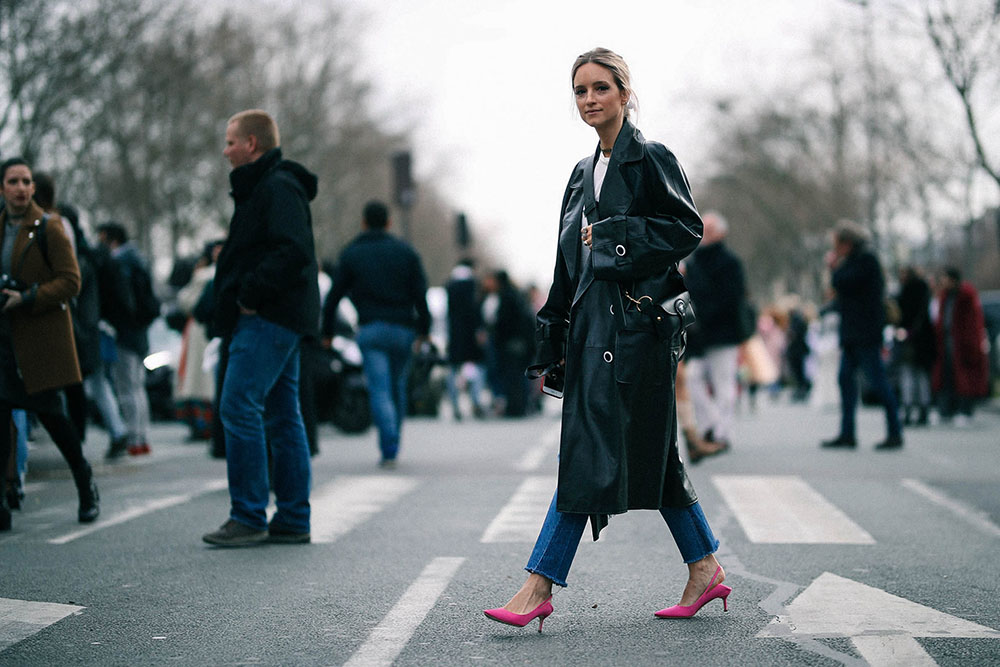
point(882, 626)
point(19, 619)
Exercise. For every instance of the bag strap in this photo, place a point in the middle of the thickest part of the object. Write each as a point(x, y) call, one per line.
point(43, 239)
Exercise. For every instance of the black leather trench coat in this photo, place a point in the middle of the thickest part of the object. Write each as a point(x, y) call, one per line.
point(618, 448)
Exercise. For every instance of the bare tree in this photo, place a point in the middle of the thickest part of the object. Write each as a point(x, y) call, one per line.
point(52, 54)
point(965, 39)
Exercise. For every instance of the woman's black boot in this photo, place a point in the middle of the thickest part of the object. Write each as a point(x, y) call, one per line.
point(87, 490)
point(4, 512)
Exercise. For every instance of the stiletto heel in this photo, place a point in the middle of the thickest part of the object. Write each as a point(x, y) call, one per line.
point(711, 592)
point(541, 612)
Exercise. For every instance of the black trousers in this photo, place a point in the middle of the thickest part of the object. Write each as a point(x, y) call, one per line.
point(59, 427)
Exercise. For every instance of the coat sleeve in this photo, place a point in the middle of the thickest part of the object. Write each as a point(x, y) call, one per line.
point(418, 287)
point(627, 247)
point(552, 321)
point(65, 281)
point(289, 237)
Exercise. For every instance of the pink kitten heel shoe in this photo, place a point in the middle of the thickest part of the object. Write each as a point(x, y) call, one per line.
point(712, 592)
point(541, 612)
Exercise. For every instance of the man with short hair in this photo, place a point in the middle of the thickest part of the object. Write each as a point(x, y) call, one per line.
point(266, 300)
point(383, 277)
point(859, 297)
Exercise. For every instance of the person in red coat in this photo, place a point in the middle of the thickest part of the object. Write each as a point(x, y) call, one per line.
point(960, 372)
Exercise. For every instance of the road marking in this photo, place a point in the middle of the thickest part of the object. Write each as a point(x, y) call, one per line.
point(521, 518)
point(892, 650)
point(149, 506)
point(389, 637)
point(547, 446)
point(784, 509)
point(19, 619)
point(977, 519)
point(348, 501)
point(881, 625)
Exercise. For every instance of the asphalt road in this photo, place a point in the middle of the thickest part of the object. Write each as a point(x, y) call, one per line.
point(835, 557)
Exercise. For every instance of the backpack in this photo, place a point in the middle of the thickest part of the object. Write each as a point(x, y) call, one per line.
point(147, 306)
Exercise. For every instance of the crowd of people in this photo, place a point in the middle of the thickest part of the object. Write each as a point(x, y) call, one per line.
point(89, 305)
point(917, 347)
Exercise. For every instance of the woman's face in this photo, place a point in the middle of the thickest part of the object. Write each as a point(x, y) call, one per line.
point(598, 98)
point(18, 188)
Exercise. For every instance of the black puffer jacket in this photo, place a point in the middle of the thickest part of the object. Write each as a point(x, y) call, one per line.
point(268, 263)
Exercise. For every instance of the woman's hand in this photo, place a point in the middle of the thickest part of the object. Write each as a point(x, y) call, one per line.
point(587, 234)
point(14, 299)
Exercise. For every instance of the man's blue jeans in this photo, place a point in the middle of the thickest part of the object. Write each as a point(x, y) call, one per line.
point(867, 359)
point(260, 406)
point(556, 545)
point(386, 349)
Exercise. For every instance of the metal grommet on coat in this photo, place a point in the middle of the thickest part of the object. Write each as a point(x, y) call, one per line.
point(612, 309)
point(608, 357)
point(620, 250)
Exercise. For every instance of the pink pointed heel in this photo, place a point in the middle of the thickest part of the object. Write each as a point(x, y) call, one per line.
point(541, 612)
point(711, 592)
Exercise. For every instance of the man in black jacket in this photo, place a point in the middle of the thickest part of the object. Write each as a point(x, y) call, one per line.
point(856, 278)
point(266, 299)
point(715, 278)
point(383, 277)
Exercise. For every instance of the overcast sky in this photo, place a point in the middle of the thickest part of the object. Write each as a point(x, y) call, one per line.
point(488, 84)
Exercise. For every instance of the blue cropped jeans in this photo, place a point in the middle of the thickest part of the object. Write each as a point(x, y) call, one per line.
point(560, 536)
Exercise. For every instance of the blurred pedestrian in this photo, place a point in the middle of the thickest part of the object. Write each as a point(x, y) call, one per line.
point(627, 219)
point(86, 311)
point(915, 346)
point(859, 298)
point(512, 338)
point(129, 305)
point(465, 339)
point(37, 356)
point(266, 300)
point(384, 279)
point(195, 389)
point(961, 371)
point(715, 277)
point(697, 447)
point(797, 350)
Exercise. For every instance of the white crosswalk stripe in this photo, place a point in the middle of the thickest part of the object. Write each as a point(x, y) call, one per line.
point(19, 619)
point(976, 518)
point(521, 518)
point(147, 507)
point(350, 500)
point(390, 636)
point(543, 451)
point(784, 509)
